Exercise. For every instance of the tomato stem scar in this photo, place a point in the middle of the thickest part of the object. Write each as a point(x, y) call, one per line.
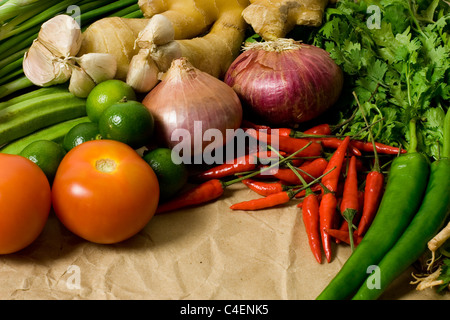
point(105, 165)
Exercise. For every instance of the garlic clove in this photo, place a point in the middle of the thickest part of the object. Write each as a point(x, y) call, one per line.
point(42, 68)
point(61, 35)
point(81, 83)
point(159, 31)
point(99, 66)
point(165, 54)
point(143, 73)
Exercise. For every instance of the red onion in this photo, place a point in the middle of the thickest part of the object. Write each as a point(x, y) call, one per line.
point(187, 103)
point(285, 82)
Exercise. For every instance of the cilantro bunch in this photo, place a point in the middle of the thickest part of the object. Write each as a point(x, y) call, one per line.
point(396, 57)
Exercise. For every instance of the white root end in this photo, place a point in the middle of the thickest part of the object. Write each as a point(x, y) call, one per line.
point(437, 241)
point(278, 45)
point(427, 281)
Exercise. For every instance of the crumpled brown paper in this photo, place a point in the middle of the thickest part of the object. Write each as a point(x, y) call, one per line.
point(208, 252)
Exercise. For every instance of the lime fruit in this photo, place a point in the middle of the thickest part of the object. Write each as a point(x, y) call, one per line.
point(46, 154)
point(80, 133)
point(105, 94)
point(129, 122)
point(171, 172)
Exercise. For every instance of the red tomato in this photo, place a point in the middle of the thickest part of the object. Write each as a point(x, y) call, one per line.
point(104, 191)
point(25, 202)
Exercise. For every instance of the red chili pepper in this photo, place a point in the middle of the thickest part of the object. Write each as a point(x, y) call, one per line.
point(315, 188)
point(264, 203)
point(372, 196)
point(357, 218)
point(321, 129)
point(284, 132)
point(248, 124)
point(310, 214)
point(207, 191)
point(319, 198)
point(240, 164)
point(265, 188)
point(288, 144)
point(334, 143)
point(372, 193)
point(343, 236)
point(244, 163)
point(314, 168)
point(350, 198)
point(331, 180)
point(380, 148)
point(327, 216)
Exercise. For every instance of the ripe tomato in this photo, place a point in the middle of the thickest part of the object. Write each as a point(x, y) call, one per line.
point(25, 202)
point(104, 191)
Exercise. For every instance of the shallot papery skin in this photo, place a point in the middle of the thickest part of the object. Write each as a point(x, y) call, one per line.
point(286, 87)
point(192, 101)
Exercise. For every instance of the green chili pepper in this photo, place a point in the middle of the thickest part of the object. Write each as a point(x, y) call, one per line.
point(406, 184)
point(430, 218)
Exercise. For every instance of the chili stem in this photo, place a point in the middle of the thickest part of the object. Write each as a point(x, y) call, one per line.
point(228, 183)
point(412, 136)
point(305, 184)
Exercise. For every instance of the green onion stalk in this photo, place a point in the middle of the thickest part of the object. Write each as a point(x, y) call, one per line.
point(20, 22)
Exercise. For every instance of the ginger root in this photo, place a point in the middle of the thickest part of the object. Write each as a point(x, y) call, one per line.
point(208, 33)
point(273, 19)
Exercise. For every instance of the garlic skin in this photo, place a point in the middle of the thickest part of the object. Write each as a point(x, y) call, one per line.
point(158, 31)
point(52, 59)
point(143, 73)
point(61, 35)
point(165, 54)
point(81, 83)
point(99, 66)
point(44, 69)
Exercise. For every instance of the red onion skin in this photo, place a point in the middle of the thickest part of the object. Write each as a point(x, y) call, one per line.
point(185, 97)
point(287, 87)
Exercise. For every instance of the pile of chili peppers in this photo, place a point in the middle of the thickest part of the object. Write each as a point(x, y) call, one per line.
point(336, 181)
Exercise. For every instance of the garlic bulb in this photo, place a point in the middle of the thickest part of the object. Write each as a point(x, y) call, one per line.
point(81, 83)
point(158, 31)
point(143, 73)
point(48, 62)
point(99, 66)
point(51, 58)
point(42, 68)
point(61, 35)
point(165, 54)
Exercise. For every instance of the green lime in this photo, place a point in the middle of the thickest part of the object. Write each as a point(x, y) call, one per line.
point(129, 122)
point(171, 172)
point(46, 154)
point(105, 94)
point(80, 133)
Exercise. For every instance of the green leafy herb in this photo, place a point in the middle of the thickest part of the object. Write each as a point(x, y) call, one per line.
point(396, 57)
